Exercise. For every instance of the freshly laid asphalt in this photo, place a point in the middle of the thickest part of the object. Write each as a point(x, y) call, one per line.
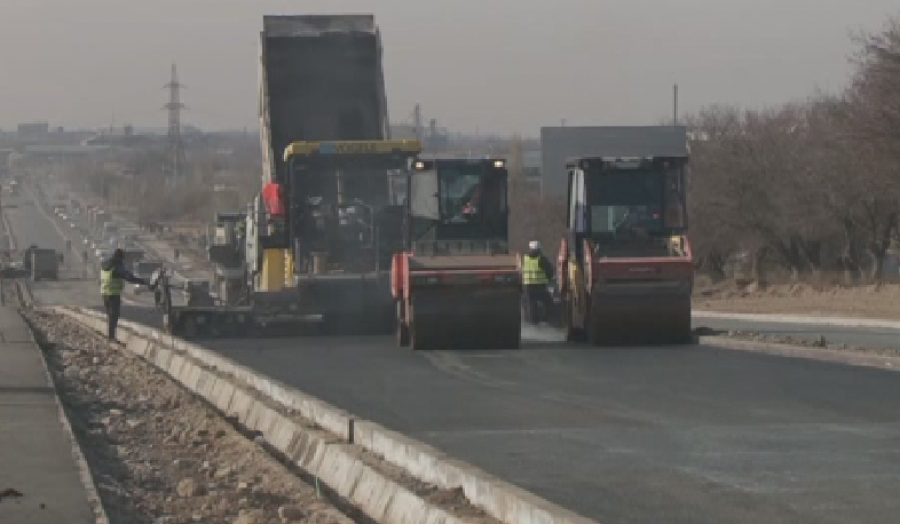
point(687, 434)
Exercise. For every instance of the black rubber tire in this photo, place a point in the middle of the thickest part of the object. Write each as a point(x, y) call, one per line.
point(418, 339)
point(595, 334)
point(513, 338)
point(514, 332)
point(573, 334)
point(682, 332)
point(402, 335)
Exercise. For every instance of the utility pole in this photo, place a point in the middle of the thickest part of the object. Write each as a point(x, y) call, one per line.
point(418, 123)
point(675, 106)
point(175, 144)
point(433, 133)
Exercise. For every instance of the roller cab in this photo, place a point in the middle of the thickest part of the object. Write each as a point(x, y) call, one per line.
point(626, 265)
point(457, 284)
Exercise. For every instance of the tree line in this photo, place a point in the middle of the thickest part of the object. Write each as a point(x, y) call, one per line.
point(808, 187)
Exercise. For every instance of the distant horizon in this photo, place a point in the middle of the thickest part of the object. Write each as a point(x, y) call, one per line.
point(496, 68)
point(163, 130)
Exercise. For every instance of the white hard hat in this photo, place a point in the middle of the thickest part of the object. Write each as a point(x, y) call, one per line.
point(534, 245)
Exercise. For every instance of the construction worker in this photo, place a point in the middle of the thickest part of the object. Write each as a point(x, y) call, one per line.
point(112, 275)
point(537, 272)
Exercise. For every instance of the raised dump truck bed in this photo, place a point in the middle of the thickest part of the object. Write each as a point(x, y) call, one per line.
point(320, 79)
point(320, 234)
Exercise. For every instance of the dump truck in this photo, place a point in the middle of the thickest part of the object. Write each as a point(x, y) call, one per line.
point(319, 236)
point(626, 265)
point(323, 244)
point(457, 283)
point(321, 79)
point(326, 167)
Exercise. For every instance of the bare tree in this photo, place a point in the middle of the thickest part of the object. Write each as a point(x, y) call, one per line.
point(808, 186)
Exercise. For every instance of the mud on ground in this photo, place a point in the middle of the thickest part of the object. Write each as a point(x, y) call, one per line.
point(158, 454)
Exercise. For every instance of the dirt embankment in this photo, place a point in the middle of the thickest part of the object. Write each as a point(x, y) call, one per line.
point(870, 301)
point(158, 454)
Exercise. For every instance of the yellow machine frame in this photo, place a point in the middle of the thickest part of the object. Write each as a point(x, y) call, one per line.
point(352, 147)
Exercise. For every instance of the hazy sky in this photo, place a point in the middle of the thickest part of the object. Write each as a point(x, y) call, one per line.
point(495, 65)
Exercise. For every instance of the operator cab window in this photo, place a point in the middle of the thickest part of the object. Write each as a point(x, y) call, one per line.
point(625, 200)
point(459, 194)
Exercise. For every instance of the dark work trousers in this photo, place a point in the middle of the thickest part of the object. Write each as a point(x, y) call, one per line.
point(113, 305)
point(537, 294)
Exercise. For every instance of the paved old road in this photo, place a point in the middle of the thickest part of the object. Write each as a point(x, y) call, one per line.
point(685, 434)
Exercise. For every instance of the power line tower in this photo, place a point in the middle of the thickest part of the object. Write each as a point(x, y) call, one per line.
point(175, 168)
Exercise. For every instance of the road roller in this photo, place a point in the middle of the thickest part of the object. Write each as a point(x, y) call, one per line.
point(626, 267)
point(457, 284)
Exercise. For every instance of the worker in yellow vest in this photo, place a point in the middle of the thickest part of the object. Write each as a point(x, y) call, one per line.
point(537, 272)
point(113, 273)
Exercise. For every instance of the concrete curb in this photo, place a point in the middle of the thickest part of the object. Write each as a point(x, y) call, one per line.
point(25, 296)
point(852, 358)
point(800, 319)
point(321, 454)
point(266, 405)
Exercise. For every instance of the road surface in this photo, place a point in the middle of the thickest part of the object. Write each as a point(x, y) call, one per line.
point(641, 434)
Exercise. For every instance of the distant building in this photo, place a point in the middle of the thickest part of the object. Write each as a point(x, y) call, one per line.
point(559, 144)
point(33, 130)
point(531, 165)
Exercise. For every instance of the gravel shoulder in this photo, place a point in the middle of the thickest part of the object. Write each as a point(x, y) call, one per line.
point(158, 454)
point(872, 301)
